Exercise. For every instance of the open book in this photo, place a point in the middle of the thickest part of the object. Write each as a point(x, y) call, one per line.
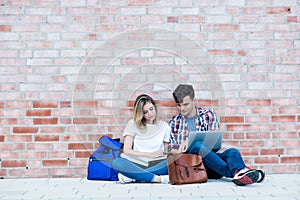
point(144, 161)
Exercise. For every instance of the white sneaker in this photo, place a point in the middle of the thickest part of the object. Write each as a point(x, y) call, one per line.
point(165, 179)
point(124, 179)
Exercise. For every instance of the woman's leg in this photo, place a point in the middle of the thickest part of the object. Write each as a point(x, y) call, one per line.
point(134, 171)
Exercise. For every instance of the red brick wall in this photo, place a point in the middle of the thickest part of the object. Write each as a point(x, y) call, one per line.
point(69, 68)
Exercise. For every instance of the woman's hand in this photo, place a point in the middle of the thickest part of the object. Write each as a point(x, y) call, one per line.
point(155, 154)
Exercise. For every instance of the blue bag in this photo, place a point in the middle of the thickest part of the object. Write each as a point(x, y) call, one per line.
point(100, 162)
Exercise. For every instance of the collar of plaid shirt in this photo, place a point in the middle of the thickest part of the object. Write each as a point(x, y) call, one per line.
point(206, 120)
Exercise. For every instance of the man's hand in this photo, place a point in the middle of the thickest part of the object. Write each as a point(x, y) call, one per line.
point(183, 146)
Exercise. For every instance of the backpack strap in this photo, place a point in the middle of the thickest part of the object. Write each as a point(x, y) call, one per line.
point(109, 142)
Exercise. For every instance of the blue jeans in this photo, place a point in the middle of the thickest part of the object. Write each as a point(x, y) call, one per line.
point(225, 164)
point(134, 171)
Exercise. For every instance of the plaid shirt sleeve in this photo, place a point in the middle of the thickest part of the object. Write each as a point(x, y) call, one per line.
point(208, 120)
point(177, 134)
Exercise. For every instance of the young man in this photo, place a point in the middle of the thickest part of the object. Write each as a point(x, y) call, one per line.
point(191, 118)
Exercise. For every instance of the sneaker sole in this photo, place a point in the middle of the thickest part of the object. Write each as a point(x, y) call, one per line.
point(249, 177)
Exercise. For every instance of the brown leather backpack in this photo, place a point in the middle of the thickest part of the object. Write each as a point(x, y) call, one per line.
point(186, 168)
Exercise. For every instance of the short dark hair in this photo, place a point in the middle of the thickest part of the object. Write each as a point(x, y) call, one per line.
point(182, 91)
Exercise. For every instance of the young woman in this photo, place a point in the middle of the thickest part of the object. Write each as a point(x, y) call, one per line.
point(147, 136)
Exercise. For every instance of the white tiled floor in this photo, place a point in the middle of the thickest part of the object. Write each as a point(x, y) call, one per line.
point(279, 186)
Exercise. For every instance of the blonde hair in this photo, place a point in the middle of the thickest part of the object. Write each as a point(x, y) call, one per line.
point(138, 115)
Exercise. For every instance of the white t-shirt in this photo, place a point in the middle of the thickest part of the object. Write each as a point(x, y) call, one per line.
point(151, 139)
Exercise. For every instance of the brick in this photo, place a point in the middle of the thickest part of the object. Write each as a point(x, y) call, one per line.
point(238, 127)
point(80, 146)
point(164, 103)
point(204, 102)
point(226, 143)
point(65, 104)
point(279, 10)
point(284, 102)
point(82, 154)
point(51, 129)
point(9, 155)
point(258, 135)
point(292, 19)
point(284, 169)
point(249, 152)
point(2, 137)
point(77, 162)
point(25, 130)
point(85, 120)
point(34, 155)
point(139, 2)
point(104, 11)
point(54, 163)
point(18, 138)
point(36, 172)
point(257, 119)
point(39, 146)
point(65, 112)
point(284, 135)
point(61, 173)
point(272, 151)
point(65, 120)
point(289, 110)
point(259, 102)
point(264, 127)
point(172, 19)
point(220, 52)
point(60, 154)
point(85, 104)
point(13, 163)
point(232, 119)
point(8, 121)
point(284, 118)
point(289, 127)
point(290, 159)
point(3, 173)
point(252, 143)
point(46, 3)
point(290, 142)
point(19, 2)
point(264, 110)
point(191, 19)
point(45, 104)
point(45, 120)
point(5, 28)
point(226, 27)
point(266, 160)
point(46, 138)
point(15, 172)
point(38, 113)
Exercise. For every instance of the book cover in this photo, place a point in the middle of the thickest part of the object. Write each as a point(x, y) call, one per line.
point(144, 161)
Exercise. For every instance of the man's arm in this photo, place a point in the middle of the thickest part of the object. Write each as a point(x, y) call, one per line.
point(213, 121)
point(209, 118)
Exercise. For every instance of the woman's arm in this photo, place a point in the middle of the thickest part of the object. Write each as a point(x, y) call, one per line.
point(166, 147)
point(127, 149)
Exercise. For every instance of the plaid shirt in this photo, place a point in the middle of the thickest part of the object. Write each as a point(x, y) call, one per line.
point(205, 120)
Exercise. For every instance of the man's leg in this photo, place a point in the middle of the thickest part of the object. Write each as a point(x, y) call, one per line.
point(211, 160)
point(233, 159)
point(241, 174)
